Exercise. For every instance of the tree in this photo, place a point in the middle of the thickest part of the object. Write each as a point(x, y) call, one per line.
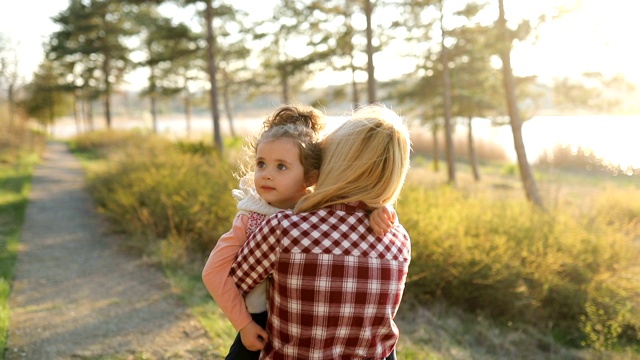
point(234, 77)
point(9, 74)
point(216, 17)
point(77, 67)
point(593, 92)
point(345, 46)
point(476, 91)
point(505, 41)
point(291, 43)
point(91, 41)
point(435, 87)
point(212, 68)
point(446, 96)
point(220, 14)
point(46, 98)
point(169, 48)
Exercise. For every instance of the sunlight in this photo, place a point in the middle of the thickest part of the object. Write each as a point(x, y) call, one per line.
point(611, 138)
point(596, 37)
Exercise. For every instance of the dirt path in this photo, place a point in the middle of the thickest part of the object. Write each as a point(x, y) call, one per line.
point(75, 295)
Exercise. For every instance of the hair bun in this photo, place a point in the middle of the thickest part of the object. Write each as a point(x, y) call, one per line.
point(301, 115)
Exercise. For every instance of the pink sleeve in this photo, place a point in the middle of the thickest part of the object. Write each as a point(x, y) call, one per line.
point(215, 274)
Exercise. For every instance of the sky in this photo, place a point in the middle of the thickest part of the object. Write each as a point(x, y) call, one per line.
point(595, 38)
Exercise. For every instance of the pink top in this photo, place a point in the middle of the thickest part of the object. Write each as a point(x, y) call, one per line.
point(216, 273)
point(252, 211)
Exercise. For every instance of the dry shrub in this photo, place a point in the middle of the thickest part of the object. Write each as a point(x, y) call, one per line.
point(178, 203)
point(507, 260)
point(486, 151)
point(17, 139)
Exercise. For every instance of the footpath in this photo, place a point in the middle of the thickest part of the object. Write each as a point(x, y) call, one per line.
point(76, 294)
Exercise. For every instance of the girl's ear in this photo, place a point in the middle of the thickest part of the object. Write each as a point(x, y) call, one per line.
point(312, 178)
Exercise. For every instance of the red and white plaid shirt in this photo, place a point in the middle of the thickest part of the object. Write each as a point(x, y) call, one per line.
point(336, 285)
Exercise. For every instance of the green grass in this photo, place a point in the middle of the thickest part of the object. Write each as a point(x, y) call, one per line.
point(15, 182)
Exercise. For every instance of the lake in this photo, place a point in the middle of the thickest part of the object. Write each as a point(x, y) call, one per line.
point(615, 139)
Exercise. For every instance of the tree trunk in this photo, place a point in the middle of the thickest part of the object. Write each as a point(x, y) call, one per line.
point(187, 111)
point(154, 112)
point(211, 62)
point(226, 100)
point(13, 84)
point(10, 96)
point(107, 91)
point(371, 79)
point(446, 83)
point(50, 107)
point(153, 99)
point(284, 78)
point(90, 115)
point(436, 148)
point(83, 112)
point(528, 181)
point(355, 98)
point(76, 112)
point(473, 158)
point(354, 86)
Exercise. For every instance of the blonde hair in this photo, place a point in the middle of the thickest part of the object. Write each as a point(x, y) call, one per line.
point(300, 123)
point(365, 159)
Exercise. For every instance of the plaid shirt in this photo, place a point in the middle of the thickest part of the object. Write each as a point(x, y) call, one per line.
point(336, 285)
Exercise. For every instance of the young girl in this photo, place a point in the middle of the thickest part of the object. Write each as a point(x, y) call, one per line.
point(336, 285)
point(287, 162)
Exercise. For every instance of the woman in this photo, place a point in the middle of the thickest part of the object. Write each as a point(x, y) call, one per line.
point(336, 285)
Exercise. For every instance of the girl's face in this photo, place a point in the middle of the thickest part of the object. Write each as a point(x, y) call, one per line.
point(279, 175)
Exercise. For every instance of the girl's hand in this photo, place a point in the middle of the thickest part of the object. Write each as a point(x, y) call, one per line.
point(253, 336)
point(382, 219)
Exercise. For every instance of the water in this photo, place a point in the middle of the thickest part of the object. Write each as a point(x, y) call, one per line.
point(615, 139)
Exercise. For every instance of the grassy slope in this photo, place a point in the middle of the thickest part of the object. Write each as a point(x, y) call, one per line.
point(441, 332)
point(438, 331)
point(15, 182)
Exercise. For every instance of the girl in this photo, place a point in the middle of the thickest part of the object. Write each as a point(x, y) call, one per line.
point(286, 165)
point(336, 285)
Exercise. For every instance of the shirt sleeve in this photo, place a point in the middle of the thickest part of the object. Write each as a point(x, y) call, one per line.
point(258, 256)
point(215, 274)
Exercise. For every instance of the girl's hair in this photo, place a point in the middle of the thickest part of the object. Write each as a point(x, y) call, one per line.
point(365, 159)
point(300, 123)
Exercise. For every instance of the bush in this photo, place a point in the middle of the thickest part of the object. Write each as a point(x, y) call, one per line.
point(515, 263)
point(100, 143)
point(151, 188)
point(17, 140)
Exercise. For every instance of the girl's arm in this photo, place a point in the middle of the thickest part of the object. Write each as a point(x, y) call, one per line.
point(215, 274)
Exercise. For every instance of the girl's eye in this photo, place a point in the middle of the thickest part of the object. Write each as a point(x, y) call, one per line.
point(260, 164)
point(282, 167)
